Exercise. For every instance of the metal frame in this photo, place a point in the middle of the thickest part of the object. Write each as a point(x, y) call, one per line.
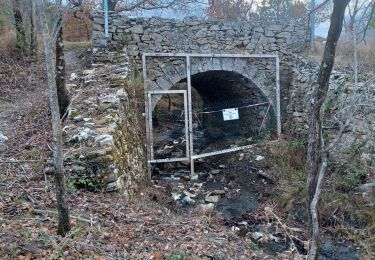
point(106, 22)
point(151, 137)
point(187, 57)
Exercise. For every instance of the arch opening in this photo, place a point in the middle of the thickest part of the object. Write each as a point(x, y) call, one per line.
point(212, 92)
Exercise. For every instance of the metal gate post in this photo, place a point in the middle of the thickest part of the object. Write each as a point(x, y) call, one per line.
point(190, 114)
point(278, 106)
point(148, 155)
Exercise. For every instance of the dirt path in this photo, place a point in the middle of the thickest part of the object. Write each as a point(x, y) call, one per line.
point(24, 97)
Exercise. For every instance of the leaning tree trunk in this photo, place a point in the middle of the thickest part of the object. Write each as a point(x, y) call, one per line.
point(314, 159)
point(62, 204)
point(62, 92)
point(33, 39)
point(20, 31)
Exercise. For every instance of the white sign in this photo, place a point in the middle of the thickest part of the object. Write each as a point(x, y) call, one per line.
point(230, 114)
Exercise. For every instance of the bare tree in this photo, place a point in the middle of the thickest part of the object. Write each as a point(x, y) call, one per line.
point(49, 40)
point(231, 10)
point(360, 13)
point(20, 30)
point(281, 9)
point(62, 92)
point(33, 38)
point(316, 152)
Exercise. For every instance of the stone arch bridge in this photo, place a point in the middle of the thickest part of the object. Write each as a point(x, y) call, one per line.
point(215, 78)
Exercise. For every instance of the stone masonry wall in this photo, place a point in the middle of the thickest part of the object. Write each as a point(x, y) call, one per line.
point(141, 35)
point(104, 148)
point(137, 36)
point(361, 132)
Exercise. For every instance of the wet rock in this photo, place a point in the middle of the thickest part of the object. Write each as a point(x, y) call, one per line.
point(203, 175)
point(272, 247)
point(215, 172)
point(218, 192)
point(212, 199)
point(188, 201)
point(234, 208)
point(3, 138)
point(206, 207)
point(176, 196)
point(331, 249)
point(186, 177)
point(191, 195)
point(194, 177)
point(211, 186)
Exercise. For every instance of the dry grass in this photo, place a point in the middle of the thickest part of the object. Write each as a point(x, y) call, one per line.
point(344, 55)
point(344, 213)
point(7, 40)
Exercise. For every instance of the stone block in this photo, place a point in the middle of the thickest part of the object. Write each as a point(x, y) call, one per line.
point(138, 29)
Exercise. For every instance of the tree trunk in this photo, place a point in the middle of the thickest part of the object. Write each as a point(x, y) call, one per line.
point(33, 39)
point(62, 205)
point(112, 5)
point(20, 31)
point(314, 156)
point(62, 92)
